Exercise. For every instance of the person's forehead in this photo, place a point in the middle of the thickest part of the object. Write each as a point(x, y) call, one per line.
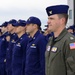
point(29, 24)
point(53, 16)
point(9, 24)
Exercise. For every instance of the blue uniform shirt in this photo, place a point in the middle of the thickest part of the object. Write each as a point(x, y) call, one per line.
point(13, 38)
point(35, 55)
point(19, 55)
point(48, 36)
point(3, 47)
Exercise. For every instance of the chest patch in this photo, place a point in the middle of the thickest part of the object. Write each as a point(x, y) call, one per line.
point(19, 45)
point(48, 48)
point(33, 46)
point(54, 49)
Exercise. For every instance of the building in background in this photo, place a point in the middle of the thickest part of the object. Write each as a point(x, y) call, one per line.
point(74, 12)
point(71, 20)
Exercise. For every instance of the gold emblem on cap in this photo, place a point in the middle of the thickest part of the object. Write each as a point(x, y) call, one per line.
point(50, 12)
point(18, 21)
point(29, 19)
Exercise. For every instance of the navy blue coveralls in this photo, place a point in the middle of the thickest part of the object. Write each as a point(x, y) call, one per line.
point(35, 55)
point(13, 38)
point(3, 47)
point(48, 36)
point(19, 55)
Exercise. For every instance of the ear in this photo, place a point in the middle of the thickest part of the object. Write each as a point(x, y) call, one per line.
point(62, 20)
point(35, 25)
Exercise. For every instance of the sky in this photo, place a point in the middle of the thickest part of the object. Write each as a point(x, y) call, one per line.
point(23, 9)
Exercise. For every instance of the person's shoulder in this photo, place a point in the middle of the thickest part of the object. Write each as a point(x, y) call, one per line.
point(69, 37)
point(40, 37)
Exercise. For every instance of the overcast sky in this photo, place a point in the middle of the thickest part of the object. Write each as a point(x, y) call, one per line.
point(23, 9)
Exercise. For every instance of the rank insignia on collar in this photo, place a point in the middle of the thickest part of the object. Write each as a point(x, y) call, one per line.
point(13, 40)
point(19, 44)
point(3, 39)
point(71, 38)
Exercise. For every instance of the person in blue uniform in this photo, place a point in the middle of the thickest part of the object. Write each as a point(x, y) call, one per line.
point(3, 47)
point(71, 30)
point(0, 31)
point(47, 33)
point(19, 49)
point(11, 38)
point(35, 55)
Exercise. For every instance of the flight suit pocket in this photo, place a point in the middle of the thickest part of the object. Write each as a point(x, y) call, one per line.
point(71, 65)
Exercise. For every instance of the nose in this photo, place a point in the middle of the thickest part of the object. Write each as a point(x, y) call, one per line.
point(48, 22)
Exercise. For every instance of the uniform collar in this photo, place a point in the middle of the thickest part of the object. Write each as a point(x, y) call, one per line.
point(34, 37)
point(36, 34)
point(23, 36)
point(62, 34)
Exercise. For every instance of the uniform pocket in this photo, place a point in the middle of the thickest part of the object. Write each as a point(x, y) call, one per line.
point(71, 65)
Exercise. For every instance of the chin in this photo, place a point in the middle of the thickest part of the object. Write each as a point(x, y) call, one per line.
point(15, 32)
point(27, 31)
point(49, 29)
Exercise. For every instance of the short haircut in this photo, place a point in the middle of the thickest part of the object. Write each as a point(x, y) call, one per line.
point(63, 16)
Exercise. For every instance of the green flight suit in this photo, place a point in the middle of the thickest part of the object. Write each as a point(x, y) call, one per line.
point(60, 55)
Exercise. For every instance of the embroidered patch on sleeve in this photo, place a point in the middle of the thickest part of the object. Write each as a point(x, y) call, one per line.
point(72, 45)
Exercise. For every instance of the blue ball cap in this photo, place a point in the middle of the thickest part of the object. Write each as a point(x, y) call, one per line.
point(13, 21)
point(57, 9)
point(34, 20)
point(4, 24)
point(20, 23)
point(71, 27)
point(0, 30)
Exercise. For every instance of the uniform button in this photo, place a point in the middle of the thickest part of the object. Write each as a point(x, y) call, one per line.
point(7, 49)
point(34, 38)
point(4, 60)
point(21, 38)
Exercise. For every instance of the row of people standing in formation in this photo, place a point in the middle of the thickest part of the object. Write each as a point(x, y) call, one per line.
point(23, 46)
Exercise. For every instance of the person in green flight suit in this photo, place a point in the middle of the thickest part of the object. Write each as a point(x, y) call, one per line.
point(60, 50)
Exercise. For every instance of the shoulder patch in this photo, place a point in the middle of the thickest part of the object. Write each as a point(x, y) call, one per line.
point(72, 45)
point(71, 38)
